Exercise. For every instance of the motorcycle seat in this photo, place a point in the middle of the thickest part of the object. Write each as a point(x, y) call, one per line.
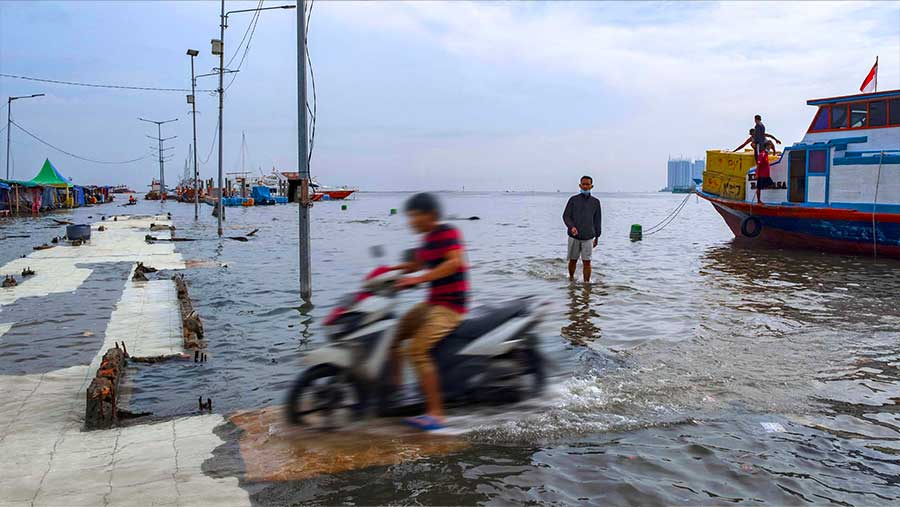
point(485, 319)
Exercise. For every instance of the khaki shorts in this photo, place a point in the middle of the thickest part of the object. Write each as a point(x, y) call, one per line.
point(425, 324)
point(580, 248)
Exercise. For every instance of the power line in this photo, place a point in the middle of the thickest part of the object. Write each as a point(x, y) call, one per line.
point(96, 85)
point(312, 75)
point(246, 32)
point(252, 27)
point(212, 145)
point(74, 155)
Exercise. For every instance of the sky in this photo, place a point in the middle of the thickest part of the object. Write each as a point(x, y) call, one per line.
point(434, 95)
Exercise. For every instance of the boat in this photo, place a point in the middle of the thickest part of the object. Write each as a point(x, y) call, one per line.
point(837, 190)
point(121, 189)
point(153, 194)
point(325, 193)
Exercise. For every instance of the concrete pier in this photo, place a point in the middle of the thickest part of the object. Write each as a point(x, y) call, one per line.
point(47, 457)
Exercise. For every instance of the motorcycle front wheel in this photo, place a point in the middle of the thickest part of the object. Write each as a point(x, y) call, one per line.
point(326, 397)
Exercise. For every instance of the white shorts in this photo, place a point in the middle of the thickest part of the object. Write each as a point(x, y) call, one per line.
point(580, 248)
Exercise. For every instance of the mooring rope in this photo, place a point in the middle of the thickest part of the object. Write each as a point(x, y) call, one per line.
point(669, 218)
point(874, 204)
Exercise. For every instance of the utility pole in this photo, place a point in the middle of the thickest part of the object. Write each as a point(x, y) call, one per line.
point(9, 121)
point(303, 156)
point(221, 91)
point(192, 98)
point(160, 140)
point(218, 48)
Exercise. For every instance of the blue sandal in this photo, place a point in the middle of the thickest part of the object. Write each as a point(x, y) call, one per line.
point(424, 423)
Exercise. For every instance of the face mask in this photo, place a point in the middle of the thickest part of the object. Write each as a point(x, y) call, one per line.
point(585, 192)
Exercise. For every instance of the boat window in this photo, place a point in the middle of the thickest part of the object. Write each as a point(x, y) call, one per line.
point(877, 113)
point(821, 120)
point(859, 114)
point(817, 161)
point(839, 116)
point(895, 111)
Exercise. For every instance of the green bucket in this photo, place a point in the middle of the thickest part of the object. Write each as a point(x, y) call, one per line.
point(637, 232)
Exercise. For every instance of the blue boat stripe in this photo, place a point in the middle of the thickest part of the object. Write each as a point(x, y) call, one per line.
point(870, 160)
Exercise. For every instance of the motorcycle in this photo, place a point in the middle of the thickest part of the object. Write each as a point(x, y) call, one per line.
point(492, 357)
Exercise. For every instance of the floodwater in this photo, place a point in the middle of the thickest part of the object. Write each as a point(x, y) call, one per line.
point(693, 370)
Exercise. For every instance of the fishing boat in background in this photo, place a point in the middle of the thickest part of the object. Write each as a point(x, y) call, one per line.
point(326, 193)
point(121, 189)
point(836, 190)
point(153, 194)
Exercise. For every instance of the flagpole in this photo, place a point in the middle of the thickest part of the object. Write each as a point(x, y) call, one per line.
point(876, 73)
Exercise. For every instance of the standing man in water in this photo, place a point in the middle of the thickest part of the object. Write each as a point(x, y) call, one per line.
point(583, 219)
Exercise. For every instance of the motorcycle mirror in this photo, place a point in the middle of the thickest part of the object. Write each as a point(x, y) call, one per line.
point(376, 251)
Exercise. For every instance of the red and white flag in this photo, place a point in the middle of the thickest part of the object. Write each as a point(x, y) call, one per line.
point(870, 83)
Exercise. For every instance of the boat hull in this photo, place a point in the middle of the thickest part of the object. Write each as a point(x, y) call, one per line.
point(334, 195)
point(825, 229)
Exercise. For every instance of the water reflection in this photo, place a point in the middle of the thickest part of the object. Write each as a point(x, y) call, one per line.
point(582, 313)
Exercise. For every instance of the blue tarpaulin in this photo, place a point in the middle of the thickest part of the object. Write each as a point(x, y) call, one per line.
point(261, 195)
point(48, 197)
point(79, 196)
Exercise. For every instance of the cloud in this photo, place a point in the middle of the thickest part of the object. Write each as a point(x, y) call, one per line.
point(692, 78)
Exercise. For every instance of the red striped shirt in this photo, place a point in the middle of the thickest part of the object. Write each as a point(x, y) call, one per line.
point(451, 291)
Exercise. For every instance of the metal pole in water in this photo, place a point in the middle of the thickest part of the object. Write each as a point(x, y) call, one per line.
point(8, 122)
point(221, 105)
point(303, 157)
point(192, 53)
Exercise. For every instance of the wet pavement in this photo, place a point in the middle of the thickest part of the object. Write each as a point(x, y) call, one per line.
point(58, 325)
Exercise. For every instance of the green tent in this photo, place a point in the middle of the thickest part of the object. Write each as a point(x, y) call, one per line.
point(50, 177)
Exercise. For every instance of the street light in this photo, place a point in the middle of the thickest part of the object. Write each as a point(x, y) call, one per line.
point(159, 138)
point(192, 100)
point(218, 48)
point(9, 121)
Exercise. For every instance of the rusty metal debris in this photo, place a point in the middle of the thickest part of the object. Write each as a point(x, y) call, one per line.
point(192, 326)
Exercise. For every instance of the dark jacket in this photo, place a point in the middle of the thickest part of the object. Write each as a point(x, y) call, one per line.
point(583, 212)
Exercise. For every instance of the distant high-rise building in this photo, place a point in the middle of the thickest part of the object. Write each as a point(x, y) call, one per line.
point(682, 172)
point(679, 176)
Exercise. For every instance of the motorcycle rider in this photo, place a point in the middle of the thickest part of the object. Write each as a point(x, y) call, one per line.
point(427, 323)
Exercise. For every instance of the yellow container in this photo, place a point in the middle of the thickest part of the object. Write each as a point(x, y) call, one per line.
point(735, 188)
point(730, 187)
point(713, 183)
point(730, 163)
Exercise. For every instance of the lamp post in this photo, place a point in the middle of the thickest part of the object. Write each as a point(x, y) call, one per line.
point(159, 138)
point(9, 121)
point(192, 100)
point(218, 48)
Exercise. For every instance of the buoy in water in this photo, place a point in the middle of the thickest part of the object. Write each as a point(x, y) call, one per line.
point(637, 232)
point(343, 207)
point(393, 211)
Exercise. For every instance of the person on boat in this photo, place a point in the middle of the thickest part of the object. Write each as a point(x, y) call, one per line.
point(583, 219)
point(759, 135)
point(752, 142)
point(763, 176)
point(427, 323)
